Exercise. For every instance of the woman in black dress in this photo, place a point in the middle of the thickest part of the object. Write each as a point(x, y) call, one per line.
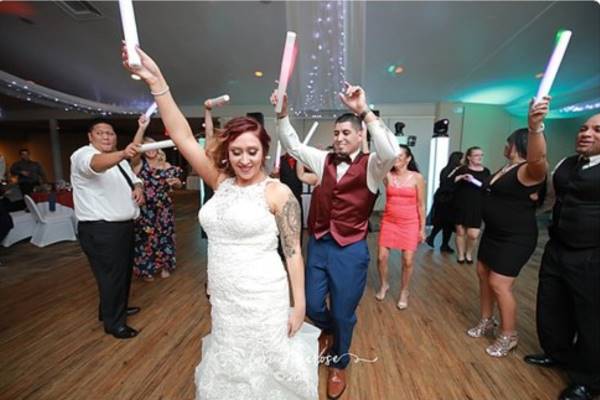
point(443, 212)
point(510, 233)
point(467, 202)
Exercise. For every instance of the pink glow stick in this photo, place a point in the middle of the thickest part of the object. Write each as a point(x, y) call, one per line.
point(287, 68)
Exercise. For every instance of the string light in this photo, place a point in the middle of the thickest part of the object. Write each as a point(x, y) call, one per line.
point(326, 58)
point(579, 107)
point(16, 87)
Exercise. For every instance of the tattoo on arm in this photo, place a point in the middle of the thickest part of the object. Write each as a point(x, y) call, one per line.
point(288, 222)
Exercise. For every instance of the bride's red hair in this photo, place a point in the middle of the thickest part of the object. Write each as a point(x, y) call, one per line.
point(231, 131)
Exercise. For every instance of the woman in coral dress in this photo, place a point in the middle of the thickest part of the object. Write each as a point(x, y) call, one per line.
point(403, 222)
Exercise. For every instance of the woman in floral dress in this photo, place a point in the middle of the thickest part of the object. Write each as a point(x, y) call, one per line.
point(154, 231)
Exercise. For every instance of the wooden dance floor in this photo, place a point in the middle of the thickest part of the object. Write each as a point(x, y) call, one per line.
point(53, 347)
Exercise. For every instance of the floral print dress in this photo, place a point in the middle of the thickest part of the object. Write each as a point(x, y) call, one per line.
point(155, 228)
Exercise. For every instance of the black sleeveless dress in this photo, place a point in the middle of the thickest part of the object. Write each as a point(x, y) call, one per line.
point(510, 233)
point(468, 198)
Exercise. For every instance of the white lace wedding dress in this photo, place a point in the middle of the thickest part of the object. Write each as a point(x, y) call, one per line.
point(248, 355)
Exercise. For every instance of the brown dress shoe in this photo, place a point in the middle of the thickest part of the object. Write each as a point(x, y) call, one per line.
point(336, 383)
point(325, 343)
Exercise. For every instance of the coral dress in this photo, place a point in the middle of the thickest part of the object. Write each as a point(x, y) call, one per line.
point(400, 222)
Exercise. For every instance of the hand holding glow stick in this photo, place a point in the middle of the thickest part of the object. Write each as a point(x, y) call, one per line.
point(553, 64)
point(151, 110)
point(130, 32)
point(163, 144)
point(287, 68)
point(474, 180)
point(311, 132)
point(217, 101)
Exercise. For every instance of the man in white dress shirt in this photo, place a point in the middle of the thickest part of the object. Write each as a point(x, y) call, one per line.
point(338, 255)
point(107, 196)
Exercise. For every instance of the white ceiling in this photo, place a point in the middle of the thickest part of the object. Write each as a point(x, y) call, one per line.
point(451, 51)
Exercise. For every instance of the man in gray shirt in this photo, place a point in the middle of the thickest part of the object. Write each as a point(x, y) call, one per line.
point(30, 173)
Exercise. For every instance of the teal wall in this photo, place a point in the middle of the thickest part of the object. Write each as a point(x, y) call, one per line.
point(488, 126)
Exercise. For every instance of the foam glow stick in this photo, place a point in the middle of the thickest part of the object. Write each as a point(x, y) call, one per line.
point(219, 101)
point(163, 144)
point(562, 42)
point(311, 132)
point(151, 110)
point(287, 68)
point(130, 32)
point(278, 155)
point(474, 181)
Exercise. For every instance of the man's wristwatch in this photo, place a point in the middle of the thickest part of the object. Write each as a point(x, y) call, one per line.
point(364, 114)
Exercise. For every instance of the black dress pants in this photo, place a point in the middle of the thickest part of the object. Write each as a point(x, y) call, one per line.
point(568, 310)
point(27, 187)
point(109, 249)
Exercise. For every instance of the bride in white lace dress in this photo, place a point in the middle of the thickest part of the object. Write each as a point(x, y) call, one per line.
point(253, 351)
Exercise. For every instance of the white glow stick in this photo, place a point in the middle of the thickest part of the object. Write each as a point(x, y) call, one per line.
point(311, 132)
point(553, 64)
point(219, 101)
point(474, 181)
point(151, 110)
point(163, 144)
point(130, 32)
point(278, 155)
point(287, 66)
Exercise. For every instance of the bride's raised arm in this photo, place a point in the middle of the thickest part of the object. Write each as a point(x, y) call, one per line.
point(175, 122)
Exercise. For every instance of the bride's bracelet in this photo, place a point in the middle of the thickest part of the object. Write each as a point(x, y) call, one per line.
point(160, 93)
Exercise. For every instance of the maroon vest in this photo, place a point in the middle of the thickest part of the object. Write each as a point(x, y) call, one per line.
point(342, 208)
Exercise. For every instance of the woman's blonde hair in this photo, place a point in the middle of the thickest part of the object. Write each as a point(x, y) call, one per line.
point(162, 157)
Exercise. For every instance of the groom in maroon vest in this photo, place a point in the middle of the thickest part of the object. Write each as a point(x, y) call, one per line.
point(338, 255)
